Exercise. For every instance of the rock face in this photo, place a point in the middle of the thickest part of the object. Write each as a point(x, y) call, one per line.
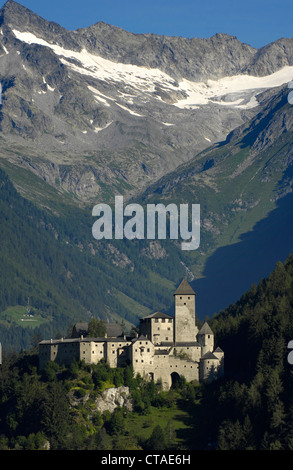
point(111, 398)
point(99, 109)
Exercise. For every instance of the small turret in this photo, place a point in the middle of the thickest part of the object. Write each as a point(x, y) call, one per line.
point(205, 338)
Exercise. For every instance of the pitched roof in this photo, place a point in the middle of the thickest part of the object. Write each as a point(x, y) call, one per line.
point(140, 338)
point(184, 288)
point(205, 330)
point(114, 329)
point(209, 355)
point(157, 315)
point(188, 344)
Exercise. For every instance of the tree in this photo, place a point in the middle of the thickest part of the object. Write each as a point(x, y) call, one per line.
point(116, 424)
point(55, 415)
point(170, 434)
point(96, 328)
point(157, 439)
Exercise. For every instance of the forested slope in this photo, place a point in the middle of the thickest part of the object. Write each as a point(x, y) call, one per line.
point(254, 406)
point(53, 260)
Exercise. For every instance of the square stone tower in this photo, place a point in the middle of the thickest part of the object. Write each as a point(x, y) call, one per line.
point(185, 330)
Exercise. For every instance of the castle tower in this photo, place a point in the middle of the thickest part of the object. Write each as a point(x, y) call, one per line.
point(185, 330)
point(206, 339)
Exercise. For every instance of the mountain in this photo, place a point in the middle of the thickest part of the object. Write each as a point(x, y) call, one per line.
point(89, 114)
point(101, 108)
point(244, 186)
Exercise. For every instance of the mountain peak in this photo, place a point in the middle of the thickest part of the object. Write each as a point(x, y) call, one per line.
point(13, 6)
point(13, 12)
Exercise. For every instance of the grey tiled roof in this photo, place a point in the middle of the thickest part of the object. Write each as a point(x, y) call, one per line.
point(185, 288)
point(205, 330)
point(209, 355)
point(158, 315)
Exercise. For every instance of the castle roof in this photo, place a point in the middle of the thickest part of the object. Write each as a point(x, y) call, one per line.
point(162, 352)
point(157, 315)
point(100, 339)
point(80, 328)
point(184, 289)
point(112, 329)
point(205, 330)
point(219, 350)
point(187, 344)
point(209, 355)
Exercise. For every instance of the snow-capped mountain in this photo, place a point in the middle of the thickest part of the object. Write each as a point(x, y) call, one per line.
point(101, 108)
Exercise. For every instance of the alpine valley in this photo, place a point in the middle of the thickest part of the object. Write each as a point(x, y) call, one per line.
point(89, 114)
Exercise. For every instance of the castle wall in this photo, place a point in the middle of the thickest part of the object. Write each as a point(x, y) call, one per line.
point(60, 351)
point(142, 355)
point(116, 351)
point(210, 369)
point(162, 366)
point(189, 352)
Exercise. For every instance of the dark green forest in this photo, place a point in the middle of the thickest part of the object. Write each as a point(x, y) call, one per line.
point(250, 408)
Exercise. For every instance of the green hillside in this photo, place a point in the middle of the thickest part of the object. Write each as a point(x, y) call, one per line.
point(53, 260)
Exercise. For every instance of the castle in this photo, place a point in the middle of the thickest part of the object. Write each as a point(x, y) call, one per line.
point(165, 348)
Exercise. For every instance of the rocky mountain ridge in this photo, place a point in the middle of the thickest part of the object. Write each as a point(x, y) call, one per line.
point(100, 110)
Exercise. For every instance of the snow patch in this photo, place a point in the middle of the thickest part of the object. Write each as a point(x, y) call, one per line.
point(99, 129)
point(144, 80)
point(129, 110)
point(5, 50)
